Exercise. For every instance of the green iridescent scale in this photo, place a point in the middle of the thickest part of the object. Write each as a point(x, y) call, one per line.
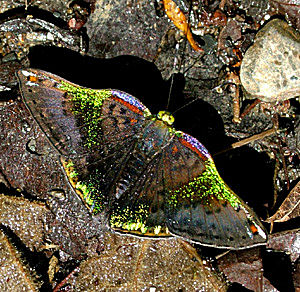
point(202, 188)
point(87, 105)
point(87, 188)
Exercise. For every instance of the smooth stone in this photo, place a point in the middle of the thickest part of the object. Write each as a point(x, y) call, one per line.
point(270, 69)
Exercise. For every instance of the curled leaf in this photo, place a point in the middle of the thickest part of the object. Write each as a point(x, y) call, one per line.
point(15, 275)
point(180, 21)
point(290, 207)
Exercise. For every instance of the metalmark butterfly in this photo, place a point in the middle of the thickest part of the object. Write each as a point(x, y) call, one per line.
point(150, 179)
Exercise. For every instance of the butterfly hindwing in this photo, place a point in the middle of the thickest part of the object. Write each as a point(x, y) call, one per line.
point(206, 210)
point(138, 206)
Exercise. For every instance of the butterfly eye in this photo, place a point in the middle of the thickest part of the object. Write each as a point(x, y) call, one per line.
point(166, 117)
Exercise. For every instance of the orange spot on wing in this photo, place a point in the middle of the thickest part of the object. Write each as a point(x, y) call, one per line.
point(253, 229)
point(33, 79)
point(133, 121)
point(174, 150)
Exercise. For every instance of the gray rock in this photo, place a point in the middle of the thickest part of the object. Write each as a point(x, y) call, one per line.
point(270, 69)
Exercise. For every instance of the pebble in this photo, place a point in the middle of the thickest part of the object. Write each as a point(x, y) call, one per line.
point(270, 69)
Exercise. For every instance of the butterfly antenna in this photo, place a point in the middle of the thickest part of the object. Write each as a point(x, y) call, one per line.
point(172, 76)
point(180, 59)
point(187, 104)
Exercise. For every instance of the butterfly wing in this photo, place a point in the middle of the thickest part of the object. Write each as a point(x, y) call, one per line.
point(202, 208)
point(139, 190)
point(93, 129)
point(50, 107)
point(147, 192)
point(175, 188)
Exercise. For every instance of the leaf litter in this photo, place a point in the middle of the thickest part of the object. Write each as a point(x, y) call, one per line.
point(38, 174)
point(132, 264)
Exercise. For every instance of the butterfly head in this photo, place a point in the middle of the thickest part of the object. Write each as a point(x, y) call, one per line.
point(166, 117)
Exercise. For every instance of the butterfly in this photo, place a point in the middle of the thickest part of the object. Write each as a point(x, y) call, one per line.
point(148, 178)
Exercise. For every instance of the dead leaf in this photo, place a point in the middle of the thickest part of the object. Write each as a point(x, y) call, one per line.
point(15, 275)
point(233, 30)
point(133, 264)
point(288, 241)
point(19, 34)
point(22, 216)
point(180, 21)
point(290, 208)
point(287, 8)
point(245, 267)
point(125, 28)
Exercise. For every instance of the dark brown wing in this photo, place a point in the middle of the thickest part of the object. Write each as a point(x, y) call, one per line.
point(50, 107)
point(201, 207)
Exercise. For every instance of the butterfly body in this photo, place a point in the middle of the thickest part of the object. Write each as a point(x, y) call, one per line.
point(149, 179)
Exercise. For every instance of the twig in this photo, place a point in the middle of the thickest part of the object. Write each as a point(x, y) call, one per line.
point(236, 106)
point(249, 108)
point(63, 282)
point(249, 140)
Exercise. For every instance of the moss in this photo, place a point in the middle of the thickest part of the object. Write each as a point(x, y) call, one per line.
point(207, 185)
point(87, 105)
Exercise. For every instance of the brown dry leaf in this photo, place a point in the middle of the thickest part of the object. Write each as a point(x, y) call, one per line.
point(26, 219)
point(133, 264)
point(287, 8)
point(288, 241)
point(14, 275)
point(180, 21)
point(290, 208)
point(18, 35)
point(245, 267)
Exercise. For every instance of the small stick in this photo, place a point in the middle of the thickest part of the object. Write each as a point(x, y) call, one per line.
point(276, 170)
point(222, 254)
point(249, 108)
point(236, 107)
point(286, 174)
point(248, 140)
point(64, 281)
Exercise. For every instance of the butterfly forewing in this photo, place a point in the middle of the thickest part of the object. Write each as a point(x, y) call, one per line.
point(95, 129)
point(51, 108)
